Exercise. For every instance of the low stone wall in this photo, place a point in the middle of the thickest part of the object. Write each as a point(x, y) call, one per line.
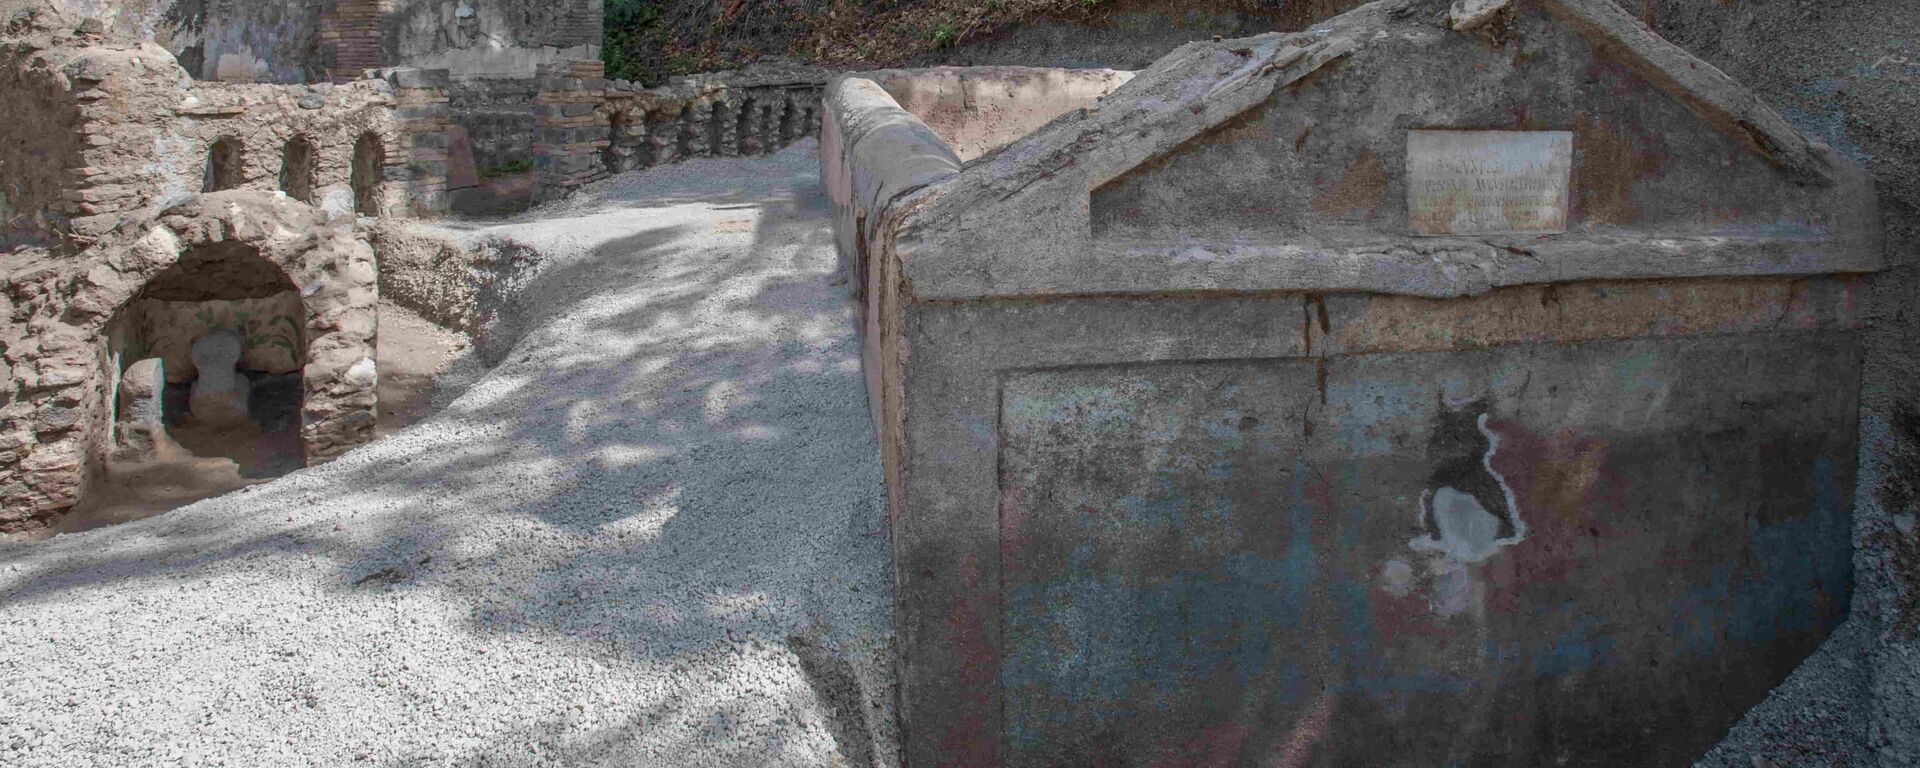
point(56, 409)
point(466, 286)
point(591, 127)
point(872, 151)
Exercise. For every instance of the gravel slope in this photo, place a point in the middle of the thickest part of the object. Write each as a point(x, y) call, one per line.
point(652, 536)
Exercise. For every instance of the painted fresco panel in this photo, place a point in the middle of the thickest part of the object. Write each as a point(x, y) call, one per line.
point(1537, 554)
point(1144, 555)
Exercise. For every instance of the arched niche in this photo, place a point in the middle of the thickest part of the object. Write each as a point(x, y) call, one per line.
point(297, 169)
point(222, 244)
point(208, 357)
point(369, 170)
point(226, 166)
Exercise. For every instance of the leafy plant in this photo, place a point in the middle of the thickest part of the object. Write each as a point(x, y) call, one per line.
point(256, 330)
point(945, 35)
point(507, 168)
point(628, 23)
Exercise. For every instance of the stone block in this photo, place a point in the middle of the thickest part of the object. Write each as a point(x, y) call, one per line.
point(219, 394)
point(419, 78)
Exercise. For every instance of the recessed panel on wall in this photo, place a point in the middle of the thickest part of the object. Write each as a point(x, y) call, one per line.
point(1153, 546)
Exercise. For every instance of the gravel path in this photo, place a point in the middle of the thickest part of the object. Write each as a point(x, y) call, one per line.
point(652, 536)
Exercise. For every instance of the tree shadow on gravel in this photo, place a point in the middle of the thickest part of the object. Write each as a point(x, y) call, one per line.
point(676, 457)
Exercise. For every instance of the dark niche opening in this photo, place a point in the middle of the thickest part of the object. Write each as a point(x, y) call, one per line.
point(369, 167)
point(208, 393)
point(296, 169)
point(225, 166)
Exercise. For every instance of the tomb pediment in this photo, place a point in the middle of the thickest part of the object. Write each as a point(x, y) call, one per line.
point(1401, 148)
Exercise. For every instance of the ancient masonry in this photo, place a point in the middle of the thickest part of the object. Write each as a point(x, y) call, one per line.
point(350, 36)
point(571, 129)
point(147, 210)
point(590, 127)
point(138, 199)
point(58, 419)
point(1485, 393)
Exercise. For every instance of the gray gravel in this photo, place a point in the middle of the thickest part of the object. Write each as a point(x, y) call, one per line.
point(653, 535)
point(1818, 717)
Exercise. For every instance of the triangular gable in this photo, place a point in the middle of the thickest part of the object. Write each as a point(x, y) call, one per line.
point(1280, 162)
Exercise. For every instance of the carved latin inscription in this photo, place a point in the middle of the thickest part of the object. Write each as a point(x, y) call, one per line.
point(1488, 182)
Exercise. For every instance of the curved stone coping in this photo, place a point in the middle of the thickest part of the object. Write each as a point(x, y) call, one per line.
point(872, 151)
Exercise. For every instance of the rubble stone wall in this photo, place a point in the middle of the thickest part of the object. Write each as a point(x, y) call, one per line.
point(56, 408)
point(126, 129)
point(40, 153)
point(591, 127)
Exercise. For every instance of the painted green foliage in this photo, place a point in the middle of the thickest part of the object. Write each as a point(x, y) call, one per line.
point(258, 330)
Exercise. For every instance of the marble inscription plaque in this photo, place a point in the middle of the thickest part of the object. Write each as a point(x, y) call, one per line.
point(1488, 182)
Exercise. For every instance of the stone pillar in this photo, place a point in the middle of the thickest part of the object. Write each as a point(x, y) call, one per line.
point(752, 118)
point(696, 124)
point(663, 135)
point(571, 128)
point(627, 139)
point(416, 171)
point(141, 428)
point(727, 110)
point(219, 396)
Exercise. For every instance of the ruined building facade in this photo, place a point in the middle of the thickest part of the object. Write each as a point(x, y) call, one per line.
point(189, 188)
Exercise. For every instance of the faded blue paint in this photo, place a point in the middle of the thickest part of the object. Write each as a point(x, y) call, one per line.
point(1099, 648)
point(1757, 601)
point(1386, 685)
point(1117, 643)
point(1094, 409)
point(1696, 616)
point(1581, 647)
point(1829, 123)
point(1355, 650)
point(1789, 554)
point(1373, 406)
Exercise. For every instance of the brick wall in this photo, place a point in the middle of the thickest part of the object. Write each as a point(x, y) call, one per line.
point(350, 36)
point(572, 129)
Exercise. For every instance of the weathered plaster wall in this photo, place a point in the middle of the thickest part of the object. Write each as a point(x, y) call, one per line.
point(42, 147)
point(300, 41)
point(977, 110)
point(245, 41)
point(491, 38)
point(1850, 73)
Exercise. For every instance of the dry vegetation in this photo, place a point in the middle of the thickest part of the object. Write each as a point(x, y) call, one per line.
point(649, 40)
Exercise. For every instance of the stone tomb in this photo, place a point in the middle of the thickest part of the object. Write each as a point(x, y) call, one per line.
point(183, 301)
point(1426, 388)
